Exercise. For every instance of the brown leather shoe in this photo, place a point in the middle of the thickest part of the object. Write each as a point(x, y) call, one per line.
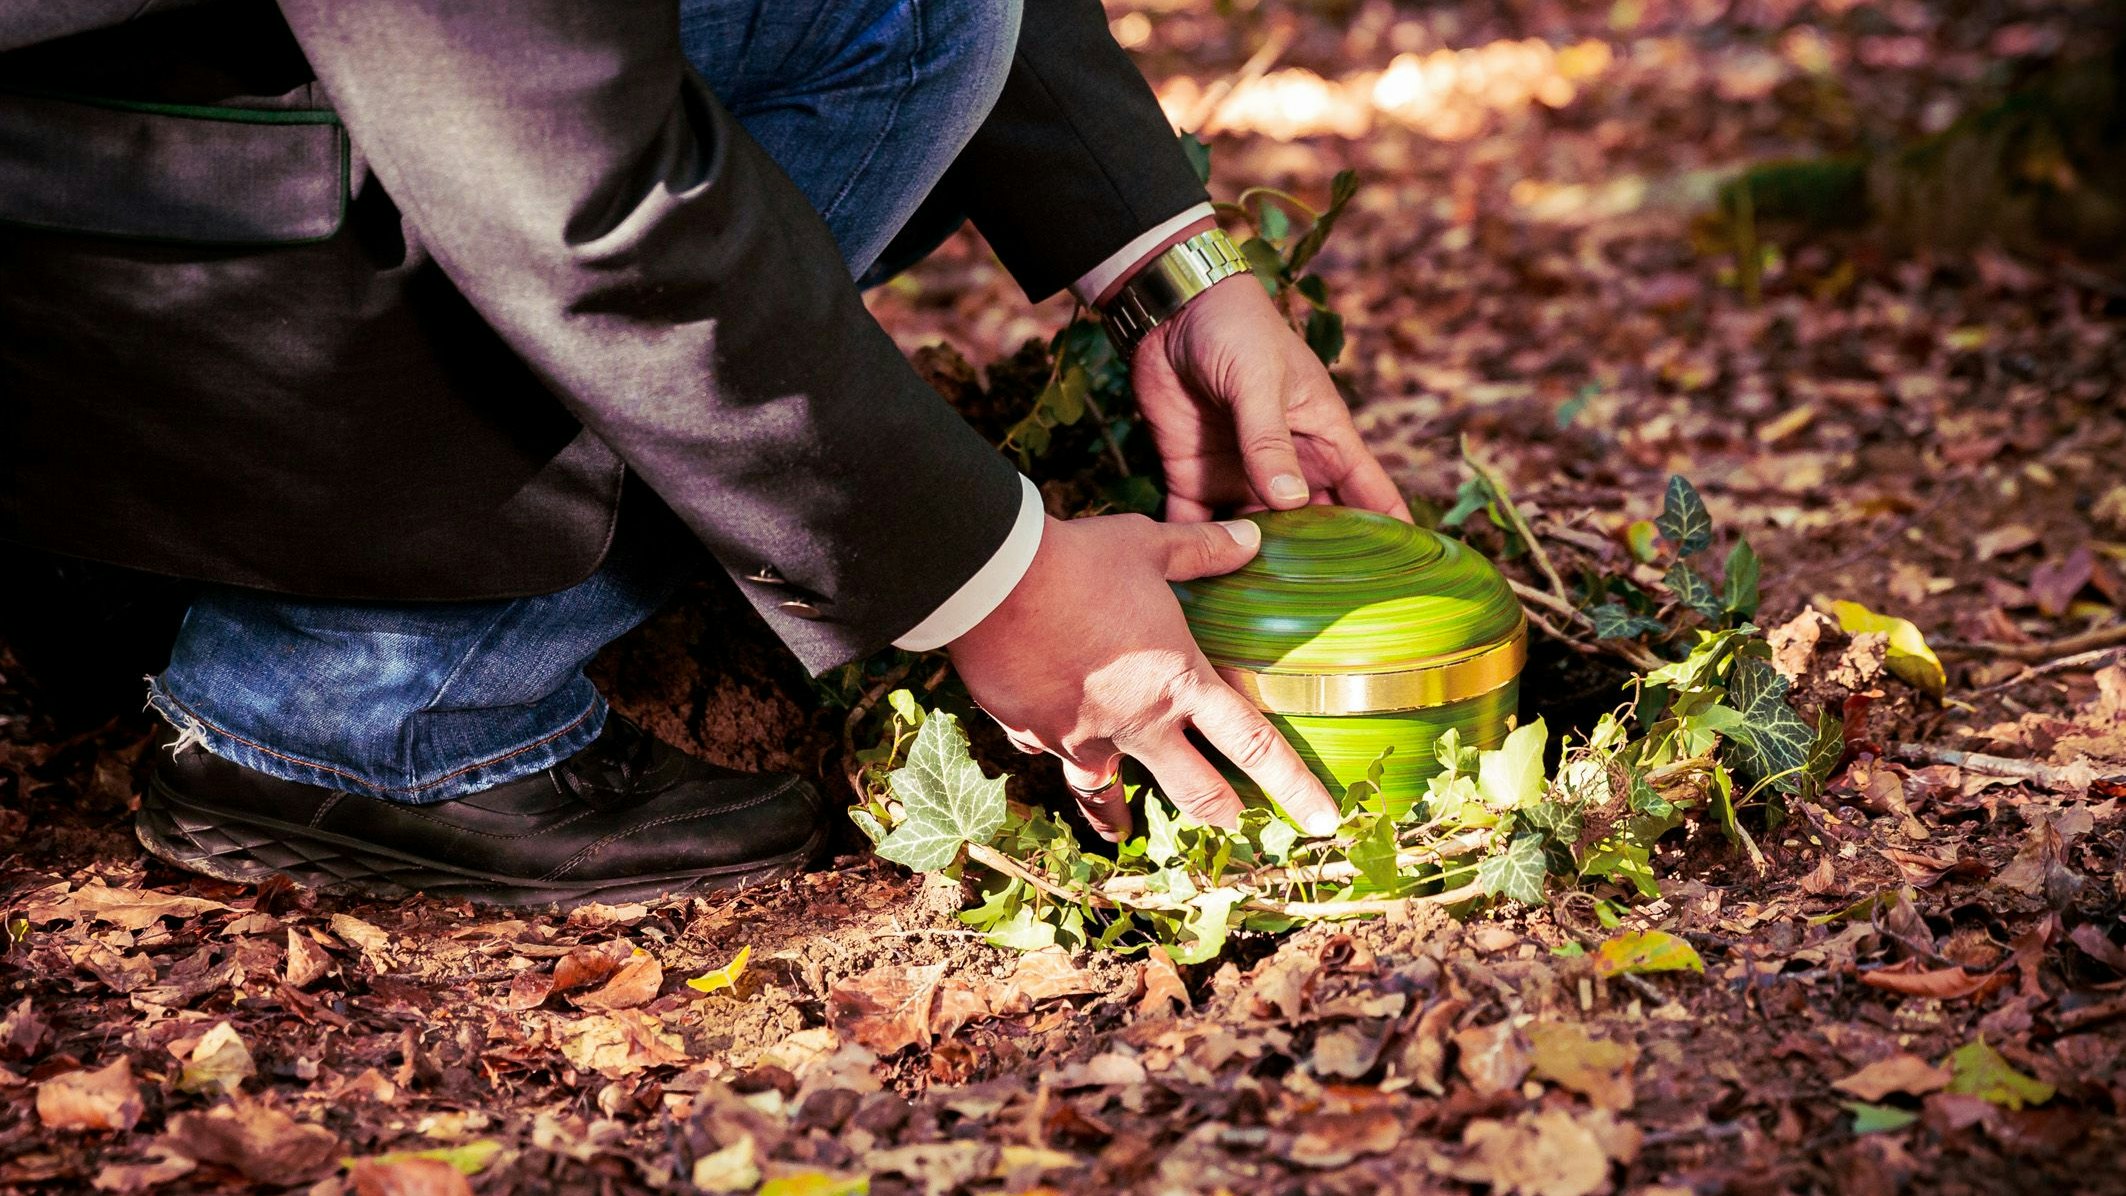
point(629, 817)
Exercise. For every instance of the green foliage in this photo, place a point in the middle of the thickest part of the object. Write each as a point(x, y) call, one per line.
point(1684, 522)
point(1707, 735)
point(945, 799)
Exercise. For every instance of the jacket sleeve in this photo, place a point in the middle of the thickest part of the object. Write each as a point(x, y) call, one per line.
point(1076, 158)
point(601, 210)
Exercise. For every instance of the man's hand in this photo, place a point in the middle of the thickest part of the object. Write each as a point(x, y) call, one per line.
point(1245, 415)
point(1090, 659)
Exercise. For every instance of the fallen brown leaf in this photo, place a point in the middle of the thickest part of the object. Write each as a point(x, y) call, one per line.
point(408, 1177)
point(105, 1099)
point(127, 909)
point(1566, 1054)
point(619, 1043)
point(635, 983)
point(891, 1007)
point(2090, 938)
point(126, 1178)
point(22, 1031)
point(1899, 1073)
point(1494, 1059)
point(307, 962)
point(1338, 1139)
point(1041, 976)
point(1913, 979)
point(1164, 992)
point(257, 1140)
point(1551, 1153)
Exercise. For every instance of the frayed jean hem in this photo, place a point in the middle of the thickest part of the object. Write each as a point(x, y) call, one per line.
point(536, 755)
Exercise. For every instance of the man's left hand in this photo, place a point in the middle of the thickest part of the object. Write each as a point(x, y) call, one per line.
point(1245, 415)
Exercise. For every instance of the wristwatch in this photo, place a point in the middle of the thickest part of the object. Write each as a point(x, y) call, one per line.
point(1158, 290)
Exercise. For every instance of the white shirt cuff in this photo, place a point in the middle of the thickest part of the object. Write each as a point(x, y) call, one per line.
point(1096, 280)
point(990, 585)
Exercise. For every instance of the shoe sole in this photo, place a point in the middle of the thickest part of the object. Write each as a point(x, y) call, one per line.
point(249, 850)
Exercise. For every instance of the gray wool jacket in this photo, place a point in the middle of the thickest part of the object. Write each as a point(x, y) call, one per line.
point(327, 297)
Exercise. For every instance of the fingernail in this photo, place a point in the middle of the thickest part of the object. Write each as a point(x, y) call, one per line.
point(1244, 532)
point(1289, 487)
point(1320, 824)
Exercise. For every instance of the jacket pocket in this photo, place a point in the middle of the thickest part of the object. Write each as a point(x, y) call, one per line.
point(172, 172)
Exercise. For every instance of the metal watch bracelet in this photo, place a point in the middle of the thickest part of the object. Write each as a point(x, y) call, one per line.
point(1158, 290)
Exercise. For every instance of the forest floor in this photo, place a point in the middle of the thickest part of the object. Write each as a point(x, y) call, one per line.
point(1936, 436)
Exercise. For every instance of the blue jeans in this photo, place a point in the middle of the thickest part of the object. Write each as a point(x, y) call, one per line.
point(864, 103)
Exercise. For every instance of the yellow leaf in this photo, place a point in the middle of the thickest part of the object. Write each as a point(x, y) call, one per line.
point(1909, 656)
point(470, 1158)
point(725, 976)
point(1640, 951)
point(817, 1183)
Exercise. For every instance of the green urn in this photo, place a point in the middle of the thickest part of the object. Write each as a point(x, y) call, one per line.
point(1356, 633)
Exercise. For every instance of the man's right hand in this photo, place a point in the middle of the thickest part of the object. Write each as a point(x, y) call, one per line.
point(1089, 658)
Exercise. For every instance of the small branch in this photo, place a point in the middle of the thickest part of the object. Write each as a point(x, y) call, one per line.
point(1632, 652)
point(2087, 641)
point(1107, 434)
point(2079, 660)
point(1123, 887)
point(2050, 776)
point(1202, 120)
point(1360, 909)
point(1520, 524)
point(2090, 1015)
point(990, 857)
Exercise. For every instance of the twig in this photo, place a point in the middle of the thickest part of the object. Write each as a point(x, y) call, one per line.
point(990, 857)
point(1258, 64)
point(1107, 434)
point(2089, 1015)
point(1631, 651)
point(1360, 909)
point(1128, 886)
point(2050, 776)
point(1644, 988)
point(1520, 524)
point(2087, 641)
point(2078, 660)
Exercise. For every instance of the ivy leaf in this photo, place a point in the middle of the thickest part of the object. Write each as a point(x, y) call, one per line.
point(906, 707)
point(1772, 743)
point(1615, 621)
point(1160, 842)
point(1263, 260)
point(1325, 334)
point(1341, 189)
point(1472, 496)
point(1198, 155)
point(1559, 823)
point(1637, 952)
point(1629, 862)
point(1684, 522)
point(1273, 222)
point(1876, 1119)
point(1374, 853)
point(1694, 591)
point(1976, 1069)
point(1742, 598)
point(1511, 776)
point(1516, 872)
point(947, 799)
point(1824, 754)
point(1024, 930)
point(868, 823)
point(1203, 930)
point(1063, 400)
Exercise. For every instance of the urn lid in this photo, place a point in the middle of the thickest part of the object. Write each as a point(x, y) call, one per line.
point(1346, 611)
